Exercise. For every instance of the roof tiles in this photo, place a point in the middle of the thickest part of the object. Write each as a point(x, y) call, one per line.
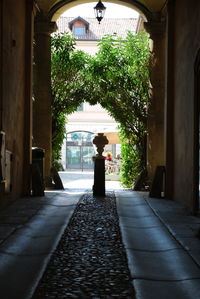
point(117, 26)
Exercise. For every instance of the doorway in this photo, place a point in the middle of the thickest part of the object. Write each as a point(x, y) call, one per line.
point(79, 150)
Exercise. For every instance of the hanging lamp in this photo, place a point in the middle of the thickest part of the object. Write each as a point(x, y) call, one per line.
point(99, 11)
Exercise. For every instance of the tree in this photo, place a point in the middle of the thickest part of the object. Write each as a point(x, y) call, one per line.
point(117, 77)
point(120, 71)
point(66, 66)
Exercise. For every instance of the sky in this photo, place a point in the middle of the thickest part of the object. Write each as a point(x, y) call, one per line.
point(112, 11)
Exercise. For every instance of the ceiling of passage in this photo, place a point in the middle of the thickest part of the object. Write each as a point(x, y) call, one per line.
point(59, 6)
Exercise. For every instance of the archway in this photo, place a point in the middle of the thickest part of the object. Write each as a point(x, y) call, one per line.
point(156, 28)
point(91, 84)
point(63, 5)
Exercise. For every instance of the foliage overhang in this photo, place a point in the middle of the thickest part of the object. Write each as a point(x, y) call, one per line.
point(117, 77)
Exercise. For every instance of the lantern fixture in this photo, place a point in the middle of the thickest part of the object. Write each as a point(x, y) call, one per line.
point(99, 11)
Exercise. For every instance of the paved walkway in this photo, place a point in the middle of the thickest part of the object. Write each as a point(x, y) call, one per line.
point(162, 246)
point(159, 236)
point(84, 180)
point(90, 260)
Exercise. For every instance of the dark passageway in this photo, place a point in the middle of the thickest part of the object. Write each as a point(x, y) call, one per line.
point(160, 236)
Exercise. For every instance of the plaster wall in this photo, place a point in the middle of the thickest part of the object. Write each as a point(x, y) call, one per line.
point(187, 43)
point(13, 88)
point(89, 47)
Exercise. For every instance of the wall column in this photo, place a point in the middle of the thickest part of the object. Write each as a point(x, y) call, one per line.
point(1, 64)
point(155, 140)
point(42, 122)
point(30, 11)
point(169, 189)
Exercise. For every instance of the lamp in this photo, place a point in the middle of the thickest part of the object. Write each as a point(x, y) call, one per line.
point(99, 11)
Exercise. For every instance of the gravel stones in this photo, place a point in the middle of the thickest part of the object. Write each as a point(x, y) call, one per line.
point(90, 260)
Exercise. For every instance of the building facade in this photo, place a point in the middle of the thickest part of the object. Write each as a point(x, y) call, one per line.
point(88, 120)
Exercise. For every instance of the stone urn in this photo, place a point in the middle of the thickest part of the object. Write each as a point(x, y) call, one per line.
point(100, 141)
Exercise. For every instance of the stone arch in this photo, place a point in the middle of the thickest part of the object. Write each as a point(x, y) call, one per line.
point(62, 5)
point(155, 25)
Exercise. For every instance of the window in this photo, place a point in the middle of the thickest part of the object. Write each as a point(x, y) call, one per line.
point(79, 26)
point(79, 31)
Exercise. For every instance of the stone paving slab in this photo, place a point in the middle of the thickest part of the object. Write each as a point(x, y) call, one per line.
point(183, 226)
point(175, 219)
point(164, 205)
point(185, 289)
point(189, 243)
point(130, 200)
point(164, 260)
point(148, 239)
point(34, 240)
point(129, 193)
point(169, 265)
point(195, 254)
point(14, 219)
point(136, 210)
point(22, 212)
point(6, 231)
point(180, 230)
point(145, 222)
point(28, 242)
point(19, 275)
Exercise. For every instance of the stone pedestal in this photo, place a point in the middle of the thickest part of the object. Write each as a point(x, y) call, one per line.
point(99, 176)
point(99, 165)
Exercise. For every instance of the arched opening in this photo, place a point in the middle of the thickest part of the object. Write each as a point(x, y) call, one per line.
point(155, 150)
point(59, 8)
point(118, 99)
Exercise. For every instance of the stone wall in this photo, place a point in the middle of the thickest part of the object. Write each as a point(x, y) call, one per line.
point(13, 91)
point(187, 44)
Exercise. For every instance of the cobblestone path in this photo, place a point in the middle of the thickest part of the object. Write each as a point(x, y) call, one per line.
point(90, 260)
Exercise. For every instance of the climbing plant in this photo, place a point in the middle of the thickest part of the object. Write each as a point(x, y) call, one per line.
point(121, 71)
point(67, 86)
point(117, 77)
